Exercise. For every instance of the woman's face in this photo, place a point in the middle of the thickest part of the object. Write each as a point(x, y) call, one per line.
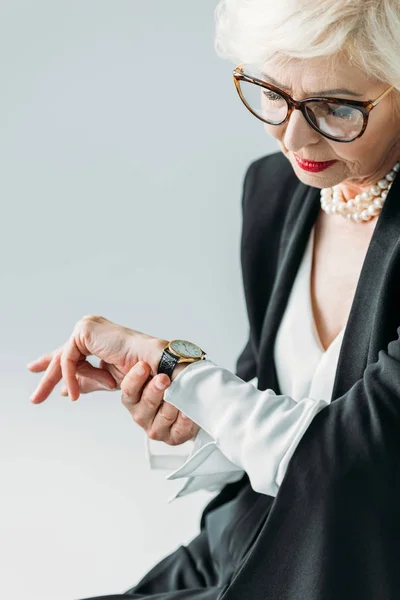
point(360, 163)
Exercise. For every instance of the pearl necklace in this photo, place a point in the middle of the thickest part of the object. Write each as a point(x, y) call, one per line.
point(364, 206)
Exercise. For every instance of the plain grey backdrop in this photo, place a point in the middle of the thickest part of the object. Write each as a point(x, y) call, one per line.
point(123, 149)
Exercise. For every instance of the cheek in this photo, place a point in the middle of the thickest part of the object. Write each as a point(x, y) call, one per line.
point(353, 152)
point(275, 131)
point(375, 141)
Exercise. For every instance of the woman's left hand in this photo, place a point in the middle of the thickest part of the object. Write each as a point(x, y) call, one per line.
point(118, 346)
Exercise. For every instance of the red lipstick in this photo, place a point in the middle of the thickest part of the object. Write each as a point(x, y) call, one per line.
point(312, 166)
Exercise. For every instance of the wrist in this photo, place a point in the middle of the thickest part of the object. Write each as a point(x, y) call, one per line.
point(155, 353)
point(155, 357)
point(179, 367)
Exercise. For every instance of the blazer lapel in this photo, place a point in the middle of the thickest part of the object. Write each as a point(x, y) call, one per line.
point(369, 299)
point(365, 333)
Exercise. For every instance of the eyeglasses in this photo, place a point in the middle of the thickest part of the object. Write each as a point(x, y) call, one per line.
point(334, 118)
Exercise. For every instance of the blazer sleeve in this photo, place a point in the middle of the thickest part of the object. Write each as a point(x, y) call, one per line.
point(363, 423)
point(260, 431)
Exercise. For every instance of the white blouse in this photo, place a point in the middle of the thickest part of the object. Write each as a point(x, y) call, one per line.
point(244, 429)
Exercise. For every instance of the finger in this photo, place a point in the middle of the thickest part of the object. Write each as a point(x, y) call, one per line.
point(40, 364)
point(102, 376)
point(69, 366)
point(182, 430)
point(116, 374)
point(164, 418)
point(86, 385)
point(133, 383)
point(145, 403)
point(49, 380)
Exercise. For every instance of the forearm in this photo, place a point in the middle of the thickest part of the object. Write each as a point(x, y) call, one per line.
point(260, 431)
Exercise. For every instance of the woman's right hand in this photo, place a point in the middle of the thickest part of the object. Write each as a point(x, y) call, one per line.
point(144, 401)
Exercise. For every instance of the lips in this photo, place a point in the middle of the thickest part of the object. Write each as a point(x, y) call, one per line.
point(313, 166)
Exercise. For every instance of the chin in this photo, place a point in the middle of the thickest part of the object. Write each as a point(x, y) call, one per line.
point(319, 180)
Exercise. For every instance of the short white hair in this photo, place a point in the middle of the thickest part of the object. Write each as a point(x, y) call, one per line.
point(367, 31)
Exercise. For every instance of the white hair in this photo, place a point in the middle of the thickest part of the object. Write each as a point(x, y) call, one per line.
point(367, 31)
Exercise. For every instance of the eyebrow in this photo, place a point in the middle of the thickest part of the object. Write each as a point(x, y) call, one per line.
point(319, 93)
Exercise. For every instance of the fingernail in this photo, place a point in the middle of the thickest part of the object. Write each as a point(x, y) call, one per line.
point(185, 416)
point(159, 384)
point(139, 369)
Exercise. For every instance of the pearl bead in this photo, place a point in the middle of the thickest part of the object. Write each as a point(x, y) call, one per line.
point(365, 205)
point(373, 210)
point(375, 190)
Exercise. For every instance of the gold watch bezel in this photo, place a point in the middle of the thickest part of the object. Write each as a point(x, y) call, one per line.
point(185, 359)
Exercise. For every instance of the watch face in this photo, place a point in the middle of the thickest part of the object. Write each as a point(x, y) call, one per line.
point(186, 349)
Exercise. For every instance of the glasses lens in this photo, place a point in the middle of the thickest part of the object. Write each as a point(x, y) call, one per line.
point(265, 103)
point(339, 121)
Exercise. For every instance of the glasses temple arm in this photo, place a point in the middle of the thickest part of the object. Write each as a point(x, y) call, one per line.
point(375, 102)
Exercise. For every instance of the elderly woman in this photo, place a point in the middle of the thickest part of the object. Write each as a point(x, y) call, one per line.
point(304, 439)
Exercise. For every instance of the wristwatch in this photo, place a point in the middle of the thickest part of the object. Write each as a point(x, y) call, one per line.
point(179, 351)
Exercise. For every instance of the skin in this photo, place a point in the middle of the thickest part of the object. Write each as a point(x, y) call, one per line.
point(360, 163)
point(340, 245)
point(122, 352)
point(339, 250)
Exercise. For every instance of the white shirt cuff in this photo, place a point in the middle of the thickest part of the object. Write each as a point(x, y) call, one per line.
point(255, 430)
point(205, 465)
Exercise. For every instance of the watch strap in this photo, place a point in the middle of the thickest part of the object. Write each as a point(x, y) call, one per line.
point(167, 363)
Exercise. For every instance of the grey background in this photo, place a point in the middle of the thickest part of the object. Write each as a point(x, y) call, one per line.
point(123, 148)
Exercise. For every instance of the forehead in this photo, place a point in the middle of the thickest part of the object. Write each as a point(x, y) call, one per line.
point(308, 75)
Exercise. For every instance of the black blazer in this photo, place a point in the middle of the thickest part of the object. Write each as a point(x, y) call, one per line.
point(333, 530)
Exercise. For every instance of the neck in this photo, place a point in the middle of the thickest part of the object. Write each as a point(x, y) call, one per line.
point(351, 187)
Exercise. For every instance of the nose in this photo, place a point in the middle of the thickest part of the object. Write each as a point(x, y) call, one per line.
point(297, 133)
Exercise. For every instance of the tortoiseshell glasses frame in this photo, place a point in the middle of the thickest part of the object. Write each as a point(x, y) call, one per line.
point(364, 107)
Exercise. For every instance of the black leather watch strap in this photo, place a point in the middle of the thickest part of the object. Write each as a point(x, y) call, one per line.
point(167, 363)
